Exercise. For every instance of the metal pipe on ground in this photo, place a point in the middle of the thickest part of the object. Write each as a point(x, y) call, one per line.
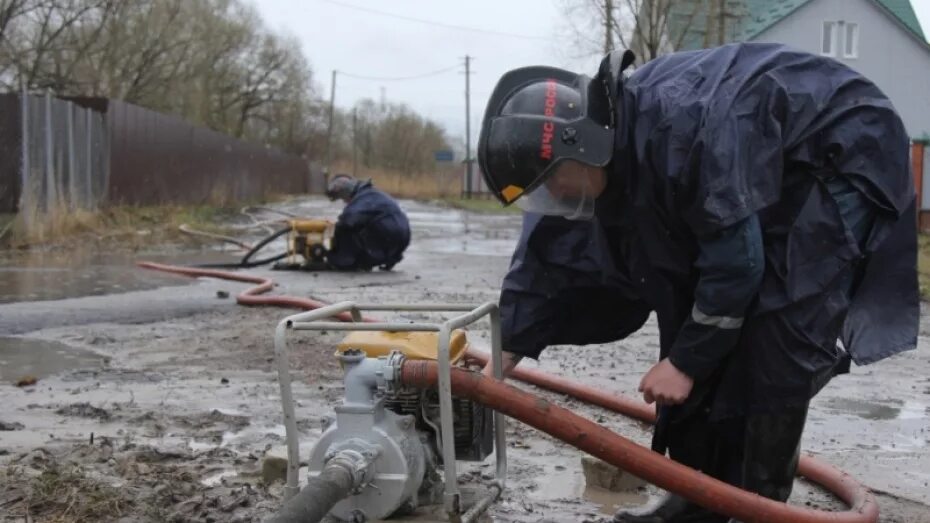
point(478, 509)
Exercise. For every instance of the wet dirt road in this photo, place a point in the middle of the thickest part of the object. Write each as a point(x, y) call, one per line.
point(158, 395)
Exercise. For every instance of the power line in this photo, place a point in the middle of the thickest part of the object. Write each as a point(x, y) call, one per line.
point(435, 23)
point(399, 78)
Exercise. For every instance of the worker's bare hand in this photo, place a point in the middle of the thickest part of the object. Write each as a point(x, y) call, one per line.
point(666, 385)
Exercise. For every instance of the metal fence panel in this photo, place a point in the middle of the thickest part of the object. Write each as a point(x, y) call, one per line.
point(10, 152)
point(78, 153)
point(63, 162)
point(159, 158)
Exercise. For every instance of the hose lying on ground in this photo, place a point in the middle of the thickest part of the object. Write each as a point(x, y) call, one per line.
point(256, 223)
point(186, 229)
point(594, 439)
point(246, 262)
point(641, 462)
point(250, 296)
point(247, 210)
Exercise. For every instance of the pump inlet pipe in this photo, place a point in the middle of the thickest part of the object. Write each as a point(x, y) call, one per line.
point(346, 471)
point(697, 487)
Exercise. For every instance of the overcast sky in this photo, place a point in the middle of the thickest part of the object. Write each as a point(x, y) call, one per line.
point(361, 41)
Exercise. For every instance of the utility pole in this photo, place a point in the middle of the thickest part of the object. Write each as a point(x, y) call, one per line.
point(467, 126)
point(329, 130)
point(354, 141)
point(721, 22)
point(708, 18)
point(608, 25)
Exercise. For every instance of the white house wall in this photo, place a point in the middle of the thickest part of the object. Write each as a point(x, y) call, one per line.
point(888, 55)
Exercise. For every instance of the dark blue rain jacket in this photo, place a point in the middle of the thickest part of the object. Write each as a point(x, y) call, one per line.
point(372, 231)
point(760, 204)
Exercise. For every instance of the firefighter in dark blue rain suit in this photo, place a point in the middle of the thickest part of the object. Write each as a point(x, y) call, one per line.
point(755, 198)
point(372, 231)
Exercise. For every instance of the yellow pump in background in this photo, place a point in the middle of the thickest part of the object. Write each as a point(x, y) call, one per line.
point(307, 244)
point(413, 345)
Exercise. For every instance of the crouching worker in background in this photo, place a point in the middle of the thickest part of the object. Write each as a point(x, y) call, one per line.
point(372, 230)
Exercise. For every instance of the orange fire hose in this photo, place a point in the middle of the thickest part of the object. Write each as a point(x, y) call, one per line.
point(612, 402)
point(249, 296)
point(591, 437)
point(623, 453)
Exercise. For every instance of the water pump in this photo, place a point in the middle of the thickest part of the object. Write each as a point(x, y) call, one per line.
point(308, 241)
point(395, 447)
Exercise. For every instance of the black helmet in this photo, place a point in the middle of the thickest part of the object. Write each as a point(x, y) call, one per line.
point(539, 116)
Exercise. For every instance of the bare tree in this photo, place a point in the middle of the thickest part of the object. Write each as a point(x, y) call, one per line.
point(649, 28)
point(11, 10)
point(210, 61)
point(392, 137)
point(44, 40)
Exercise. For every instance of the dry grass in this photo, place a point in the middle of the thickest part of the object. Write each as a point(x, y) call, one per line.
point(62, 225)
point(33, 227)
point(443, 183)
point(923, 265)
point(160, 223)
point(488, 205)
point(64, 494)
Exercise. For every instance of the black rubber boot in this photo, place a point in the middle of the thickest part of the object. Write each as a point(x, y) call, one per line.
point(672, 509)
point(771, 452)
point(693, 442)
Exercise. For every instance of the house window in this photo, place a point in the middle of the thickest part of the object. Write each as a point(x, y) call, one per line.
point(851, 41)
point(828, 42)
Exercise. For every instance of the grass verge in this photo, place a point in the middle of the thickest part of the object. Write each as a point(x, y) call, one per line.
point(444, 183)
point(923, 265)
point(131, 225)
point(482, 205)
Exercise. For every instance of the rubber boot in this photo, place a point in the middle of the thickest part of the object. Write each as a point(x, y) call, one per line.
point(672, 509)
point(694, 443)
point(771, 452)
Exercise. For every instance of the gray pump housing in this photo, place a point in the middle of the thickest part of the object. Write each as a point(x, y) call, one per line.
point(400, 462)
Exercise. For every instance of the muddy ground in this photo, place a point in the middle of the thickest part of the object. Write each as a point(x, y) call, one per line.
point(155, 398)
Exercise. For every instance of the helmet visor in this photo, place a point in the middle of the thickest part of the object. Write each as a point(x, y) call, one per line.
point(562, 194)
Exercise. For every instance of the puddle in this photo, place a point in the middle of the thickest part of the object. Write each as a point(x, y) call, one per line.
point(55, 275)
point(449, 231)
point(245, 438)
point(464, 245)
point(610, 502)
point(914, 410)
point(41, 358)
point(217, 479)
point(867, 409)
point(904, 443)
point(198, 446)
point(566, 481)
